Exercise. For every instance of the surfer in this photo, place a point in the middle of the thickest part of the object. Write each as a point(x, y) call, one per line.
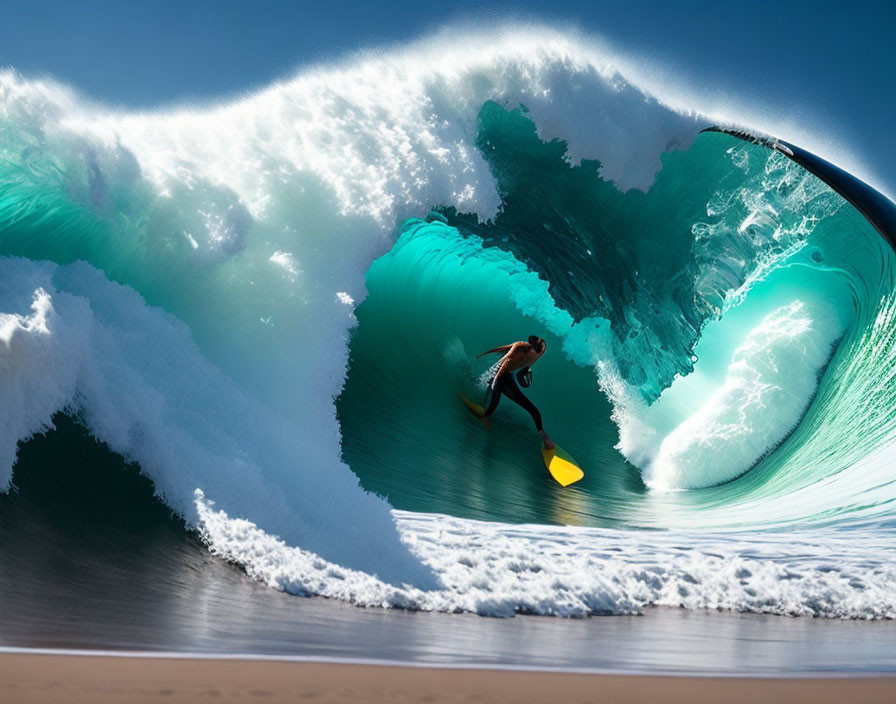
point(518, 357)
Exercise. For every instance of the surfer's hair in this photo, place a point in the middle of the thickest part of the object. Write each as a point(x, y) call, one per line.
point(536, 342)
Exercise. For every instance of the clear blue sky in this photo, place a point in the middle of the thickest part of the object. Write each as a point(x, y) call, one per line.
point(835, 60)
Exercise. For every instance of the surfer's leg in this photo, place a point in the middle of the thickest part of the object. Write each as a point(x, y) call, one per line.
point(512, 391)
point(493, 401)
point(514, 394)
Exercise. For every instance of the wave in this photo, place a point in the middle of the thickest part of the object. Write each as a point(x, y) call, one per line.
point(133, 376)
point(197, 287)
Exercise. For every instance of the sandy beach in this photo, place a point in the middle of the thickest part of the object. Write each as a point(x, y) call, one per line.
point(72, 678)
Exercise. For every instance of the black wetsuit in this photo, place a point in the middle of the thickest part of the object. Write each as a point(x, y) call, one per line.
point(507, 385)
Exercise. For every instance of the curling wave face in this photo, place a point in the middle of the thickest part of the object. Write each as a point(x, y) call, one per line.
point(197, 286)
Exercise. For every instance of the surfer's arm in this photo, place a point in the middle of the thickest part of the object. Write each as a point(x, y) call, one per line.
point(503, 349)
point(505, 362)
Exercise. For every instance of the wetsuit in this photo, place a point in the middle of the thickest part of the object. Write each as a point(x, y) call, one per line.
point(507, 385)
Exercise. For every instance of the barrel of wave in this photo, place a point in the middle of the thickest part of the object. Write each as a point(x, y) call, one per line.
point(435, 301)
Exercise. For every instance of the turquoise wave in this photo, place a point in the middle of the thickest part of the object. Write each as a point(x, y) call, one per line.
point(637, 294)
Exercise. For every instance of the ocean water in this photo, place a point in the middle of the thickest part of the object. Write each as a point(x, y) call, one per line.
point(268, 308)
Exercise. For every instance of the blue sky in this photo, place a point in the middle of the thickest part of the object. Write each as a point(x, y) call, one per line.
point(833, 62)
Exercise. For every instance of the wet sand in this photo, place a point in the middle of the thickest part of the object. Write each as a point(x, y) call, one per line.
point(96, 679)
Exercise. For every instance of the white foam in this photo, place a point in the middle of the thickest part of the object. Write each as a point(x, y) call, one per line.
point(496, 569)
point(287, 262)
point(388, 133)
point(38, 362)
point(94, 348)
point(770, 381)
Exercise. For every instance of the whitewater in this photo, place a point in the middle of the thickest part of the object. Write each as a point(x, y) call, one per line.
point(270, 304)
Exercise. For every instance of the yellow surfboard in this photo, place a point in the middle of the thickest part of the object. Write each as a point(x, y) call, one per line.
point(562, 466)
point(475, 409)
point(559, 462)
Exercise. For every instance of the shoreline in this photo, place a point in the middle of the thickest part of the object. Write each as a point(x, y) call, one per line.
point(131, 677)
point(349, 662)
point(253, 622)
